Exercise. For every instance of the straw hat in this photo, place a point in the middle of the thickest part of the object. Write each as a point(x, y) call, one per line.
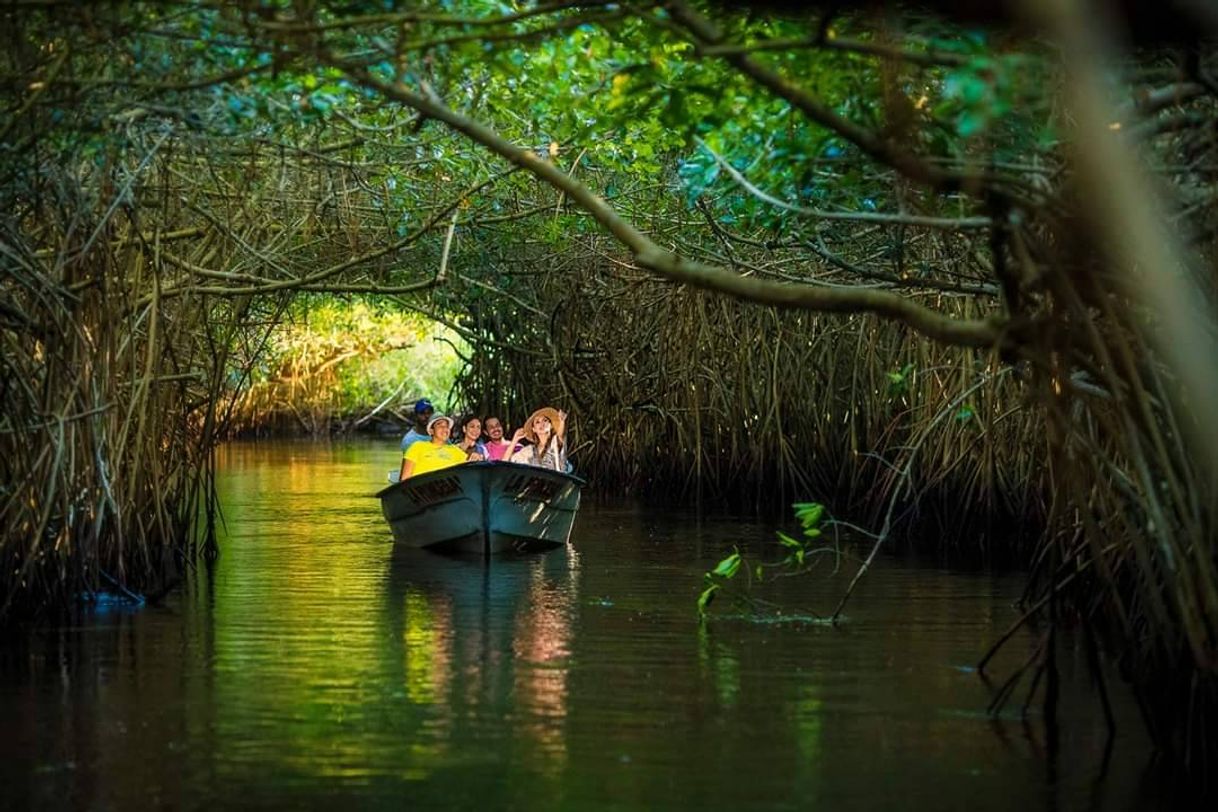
point(555, 420)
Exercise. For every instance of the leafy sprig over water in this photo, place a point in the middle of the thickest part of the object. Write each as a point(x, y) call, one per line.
point(799, 552)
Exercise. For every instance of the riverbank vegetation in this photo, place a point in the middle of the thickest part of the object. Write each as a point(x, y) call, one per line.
point(942, 279)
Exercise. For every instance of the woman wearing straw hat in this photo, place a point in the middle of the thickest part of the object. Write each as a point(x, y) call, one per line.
point(544, 430)
point(424, 457)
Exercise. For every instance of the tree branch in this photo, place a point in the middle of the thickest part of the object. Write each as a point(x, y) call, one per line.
point(928, 59)
point(962, 332)
point(946, 223)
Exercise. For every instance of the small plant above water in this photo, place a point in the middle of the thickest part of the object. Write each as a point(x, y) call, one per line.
point(799, 553)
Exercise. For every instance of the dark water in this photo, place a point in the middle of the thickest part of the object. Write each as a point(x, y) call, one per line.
point(315, 666)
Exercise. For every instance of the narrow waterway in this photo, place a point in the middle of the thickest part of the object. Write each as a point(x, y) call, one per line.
point(315, 665)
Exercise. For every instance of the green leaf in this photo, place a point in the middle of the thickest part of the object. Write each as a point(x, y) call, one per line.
point(898, 382)
point(787, 541)
point(728, 567)
point(704, 600)
point(809, 513)
point(971, 123)
point(675, 114)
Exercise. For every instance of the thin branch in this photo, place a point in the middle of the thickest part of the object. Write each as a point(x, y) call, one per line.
point(925, 59)
point(882, 536)
point(398, 18)
point(314, 281)
point(946, 223)
point(818, 246)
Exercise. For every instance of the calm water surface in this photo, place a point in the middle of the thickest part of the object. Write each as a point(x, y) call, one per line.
point(314, 665)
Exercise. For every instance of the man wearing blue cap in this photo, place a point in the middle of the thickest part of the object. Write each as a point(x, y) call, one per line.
point(422, 413)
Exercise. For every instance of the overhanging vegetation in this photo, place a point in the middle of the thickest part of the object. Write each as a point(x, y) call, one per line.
point(866, 257)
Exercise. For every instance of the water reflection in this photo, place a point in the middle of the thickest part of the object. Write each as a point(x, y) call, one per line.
point(473, 640)
point(316, 665)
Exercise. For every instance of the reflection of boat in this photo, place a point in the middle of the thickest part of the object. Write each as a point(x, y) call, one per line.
point(483, 507)
point(471, 640)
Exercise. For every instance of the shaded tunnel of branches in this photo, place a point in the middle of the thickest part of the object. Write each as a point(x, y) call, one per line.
point(1027, 337)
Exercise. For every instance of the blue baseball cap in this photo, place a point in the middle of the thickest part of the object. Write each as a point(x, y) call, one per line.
point(423, 405)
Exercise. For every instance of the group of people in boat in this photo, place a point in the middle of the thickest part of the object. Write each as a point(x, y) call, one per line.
point(436, 441)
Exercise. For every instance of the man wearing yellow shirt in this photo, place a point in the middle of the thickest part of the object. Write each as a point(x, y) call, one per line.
point(422, 458)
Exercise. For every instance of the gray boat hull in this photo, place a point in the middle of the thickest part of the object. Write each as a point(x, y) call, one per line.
point(483, 508)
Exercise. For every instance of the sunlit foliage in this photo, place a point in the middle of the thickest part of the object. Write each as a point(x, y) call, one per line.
point(335, 364)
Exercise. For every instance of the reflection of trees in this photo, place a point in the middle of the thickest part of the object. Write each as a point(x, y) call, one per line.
point(894, 685)
point(81, 724)
point(296, 657)
point(427, 647)
point(419, 635)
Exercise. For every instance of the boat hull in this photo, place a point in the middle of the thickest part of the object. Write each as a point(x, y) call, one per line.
point(484, 508)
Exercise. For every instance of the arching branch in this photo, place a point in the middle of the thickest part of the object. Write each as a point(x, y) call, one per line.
point(935, 325)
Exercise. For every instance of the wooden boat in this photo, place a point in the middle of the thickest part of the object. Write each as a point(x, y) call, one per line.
point(484, 508)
